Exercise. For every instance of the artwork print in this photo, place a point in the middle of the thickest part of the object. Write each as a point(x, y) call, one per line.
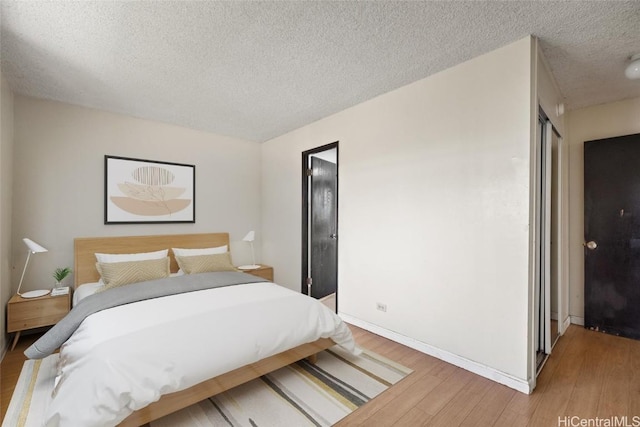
point(147, 191)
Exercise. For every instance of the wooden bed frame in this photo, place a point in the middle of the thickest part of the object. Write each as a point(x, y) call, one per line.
point(85, 272)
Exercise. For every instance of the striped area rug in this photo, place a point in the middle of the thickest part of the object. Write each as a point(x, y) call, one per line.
point(298, 395)
point(32, 393)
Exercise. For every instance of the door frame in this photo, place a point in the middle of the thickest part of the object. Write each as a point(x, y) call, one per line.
point(306, 212)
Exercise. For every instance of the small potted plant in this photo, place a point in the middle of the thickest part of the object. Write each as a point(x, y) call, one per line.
point(60, 273)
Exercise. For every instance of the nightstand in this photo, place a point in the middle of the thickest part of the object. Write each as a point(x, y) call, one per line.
point(30, 313)
point(265, 271)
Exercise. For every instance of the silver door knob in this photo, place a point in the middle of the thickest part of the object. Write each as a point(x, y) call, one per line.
point(333, 236)
point(591, 245)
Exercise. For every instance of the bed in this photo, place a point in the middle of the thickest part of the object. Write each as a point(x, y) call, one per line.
point(86, 273)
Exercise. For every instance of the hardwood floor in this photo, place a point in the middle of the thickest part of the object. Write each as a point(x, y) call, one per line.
point(10, 369)
point(588, 375)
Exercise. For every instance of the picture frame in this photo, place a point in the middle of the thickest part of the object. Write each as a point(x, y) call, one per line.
point(138, 191)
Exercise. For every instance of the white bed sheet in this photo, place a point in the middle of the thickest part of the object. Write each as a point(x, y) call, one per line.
point(122, 359)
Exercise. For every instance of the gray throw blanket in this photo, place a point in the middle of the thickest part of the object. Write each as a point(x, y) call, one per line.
point(61, 332)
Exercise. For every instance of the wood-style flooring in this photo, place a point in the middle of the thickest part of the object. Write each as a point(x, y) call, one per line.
point(589, 375)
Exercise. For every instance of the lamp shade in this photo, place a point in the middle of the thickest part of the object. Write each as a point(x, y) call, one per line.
point(250, 237)
point(33, 246)
point(633, 69)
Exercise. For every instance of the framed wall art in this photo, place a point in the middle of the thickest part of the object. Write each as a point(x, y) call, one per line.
point(140, 191)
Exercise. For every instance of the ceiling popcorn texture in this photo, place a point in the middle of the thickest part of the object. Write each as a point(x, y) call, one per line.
point(257, 70)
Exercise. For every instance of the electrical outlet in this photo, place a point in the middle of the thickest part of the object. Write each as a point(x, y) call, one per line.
point(381, 307)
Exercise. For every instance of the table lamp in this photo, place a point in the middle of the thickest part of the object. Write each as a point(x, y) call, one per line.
point(250, 237)
point(34, 248)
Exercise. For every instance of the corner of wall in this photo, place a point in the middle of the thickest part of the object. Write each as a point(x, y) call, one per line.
point(6, 183)
point(422, 135)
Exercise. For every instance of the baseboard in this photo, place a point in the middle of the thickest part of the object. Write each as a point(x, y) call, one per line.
point(576, 320)
point(566, 323)
point(461, 362)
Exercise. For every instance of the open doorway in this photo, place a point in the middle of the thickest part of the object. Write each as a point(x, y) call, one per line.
point(320, 224)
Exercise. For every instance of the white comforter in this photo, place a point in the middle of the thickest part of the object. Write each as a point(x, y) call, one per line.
point(125, 358)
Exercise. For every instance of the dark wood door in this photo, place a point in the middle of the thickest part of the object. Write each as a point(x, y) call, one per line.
point(612, 235)
point(324, 238)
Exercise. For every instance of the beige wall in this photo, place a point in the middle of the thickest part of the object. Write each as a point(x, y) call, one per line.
point(6, 170)
point(59, 180)
point(434, 209)
point(600, 121)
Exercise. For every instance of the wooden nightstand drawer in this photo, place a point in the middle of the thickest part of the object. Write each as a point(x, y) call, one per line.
point(25, 314)
point(264, 271)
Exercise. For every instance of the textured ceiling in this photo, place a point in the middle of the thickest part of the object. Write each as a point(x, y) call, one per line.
point(256, 70)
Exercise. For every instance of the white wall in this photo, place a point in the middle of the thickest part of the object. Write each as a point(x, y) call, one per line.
point(587, 124)
point(434, 208)
point(59, 180)
point(6, 170)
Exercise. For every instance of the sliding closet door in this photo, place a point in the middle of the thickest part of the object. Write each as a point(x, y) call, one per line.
point(547, 237)
point(543, 239)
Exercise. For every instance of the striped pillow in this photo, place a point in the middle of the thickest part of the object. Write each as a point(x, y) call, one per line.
point(205, 263)
point(116, 274)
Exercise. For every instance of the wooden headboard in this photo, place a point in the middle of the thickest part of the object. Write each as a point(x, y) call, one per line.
point(85, 248)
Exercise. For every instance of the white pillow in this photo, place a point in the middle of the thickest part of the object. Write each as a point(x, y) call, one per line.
point(197, 252)
point(141, 256)
point(85, 290)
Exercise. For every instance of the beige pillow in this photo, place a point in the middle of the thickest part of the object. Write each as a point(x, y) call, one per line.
point(140, 256)
point(205, 263)
point(116, 274)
